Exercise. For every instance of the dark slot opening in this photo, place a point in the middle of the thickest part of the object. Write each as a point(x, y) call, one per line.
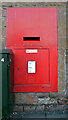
point(32, 38)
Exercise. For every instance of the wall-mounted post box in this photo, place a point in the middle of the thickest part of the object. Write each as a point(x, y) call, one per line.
point(6, 64)
point(32, 35)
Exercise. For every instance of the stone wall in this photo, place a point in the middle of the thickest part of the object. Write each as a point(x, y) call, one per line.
point(39, 102)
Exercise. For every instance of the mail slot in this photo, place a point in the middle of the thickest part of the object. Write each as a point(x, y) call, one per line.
point(32, 36)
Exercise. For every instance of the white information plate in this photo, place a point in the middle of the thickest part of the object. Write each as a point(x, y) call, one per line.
point(31, 50)
point(31, 66)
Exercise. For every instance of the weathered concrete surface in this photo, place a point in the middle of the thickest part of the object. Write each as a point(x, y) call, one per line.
point(39, 115)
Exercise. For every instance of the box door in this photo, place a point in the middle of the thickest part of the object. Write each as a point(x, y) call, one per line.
point(31, 67)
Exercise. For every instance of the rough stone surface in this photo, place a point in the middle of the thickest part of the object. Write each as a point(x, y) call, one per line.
point(24, 98)
point(18, 108)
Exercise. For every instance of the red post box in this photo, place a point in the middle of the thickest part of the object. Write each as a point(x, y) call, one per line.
point(32, 35)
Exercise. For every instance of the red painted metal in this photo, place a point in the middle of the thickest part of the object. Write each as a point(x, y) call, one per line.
point(33, 29)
